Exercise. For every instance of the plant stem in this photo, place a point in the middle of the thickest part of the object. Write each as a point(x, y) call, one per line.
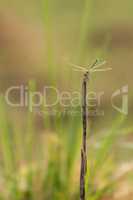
point(83, 149)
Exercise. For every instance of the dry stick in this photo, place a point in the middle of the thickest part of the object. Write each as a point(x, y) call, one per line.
point(83, 150)
point(93, 68)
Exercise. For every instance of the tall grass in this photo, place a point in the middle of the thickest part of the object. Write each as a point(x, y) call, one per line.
point(47, 19)
point(45, 164)
point(56, 174)
point(85, 29)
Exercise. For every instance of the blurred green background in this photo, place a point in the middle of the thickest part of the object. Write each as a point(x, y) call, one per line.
point(39, 153)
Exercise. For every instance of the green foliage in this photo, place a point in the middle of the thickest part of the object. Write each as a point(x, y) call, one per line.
point(45, 164)
point(52, 176)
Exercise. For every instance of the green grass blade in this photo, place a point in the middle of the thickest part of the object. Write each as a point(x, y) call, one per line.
point(6, 140)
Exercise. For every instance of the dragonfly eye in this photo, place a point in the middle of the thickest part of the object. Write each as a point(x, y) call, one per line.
point(86, 75)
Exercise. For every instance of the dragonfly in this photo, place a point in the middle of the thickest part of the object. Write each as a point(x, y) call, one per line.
point(91, 68)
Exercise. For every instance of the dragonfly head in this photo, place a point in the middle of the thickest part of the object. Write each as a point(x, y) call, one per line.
point(86, 75)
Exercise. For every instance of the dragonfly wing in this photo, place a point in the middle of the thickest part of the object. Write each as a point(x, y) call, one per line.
point(78, 68)
point(100, 70)
point(98, 65)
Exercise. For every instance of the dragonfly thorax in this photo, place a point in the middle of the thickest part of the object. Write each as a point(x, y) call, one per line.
point(86, 75)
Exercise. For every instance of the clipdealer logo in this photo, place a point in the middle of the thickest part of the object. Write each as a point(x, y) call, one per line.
point(123, 93)
point(66, 99)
